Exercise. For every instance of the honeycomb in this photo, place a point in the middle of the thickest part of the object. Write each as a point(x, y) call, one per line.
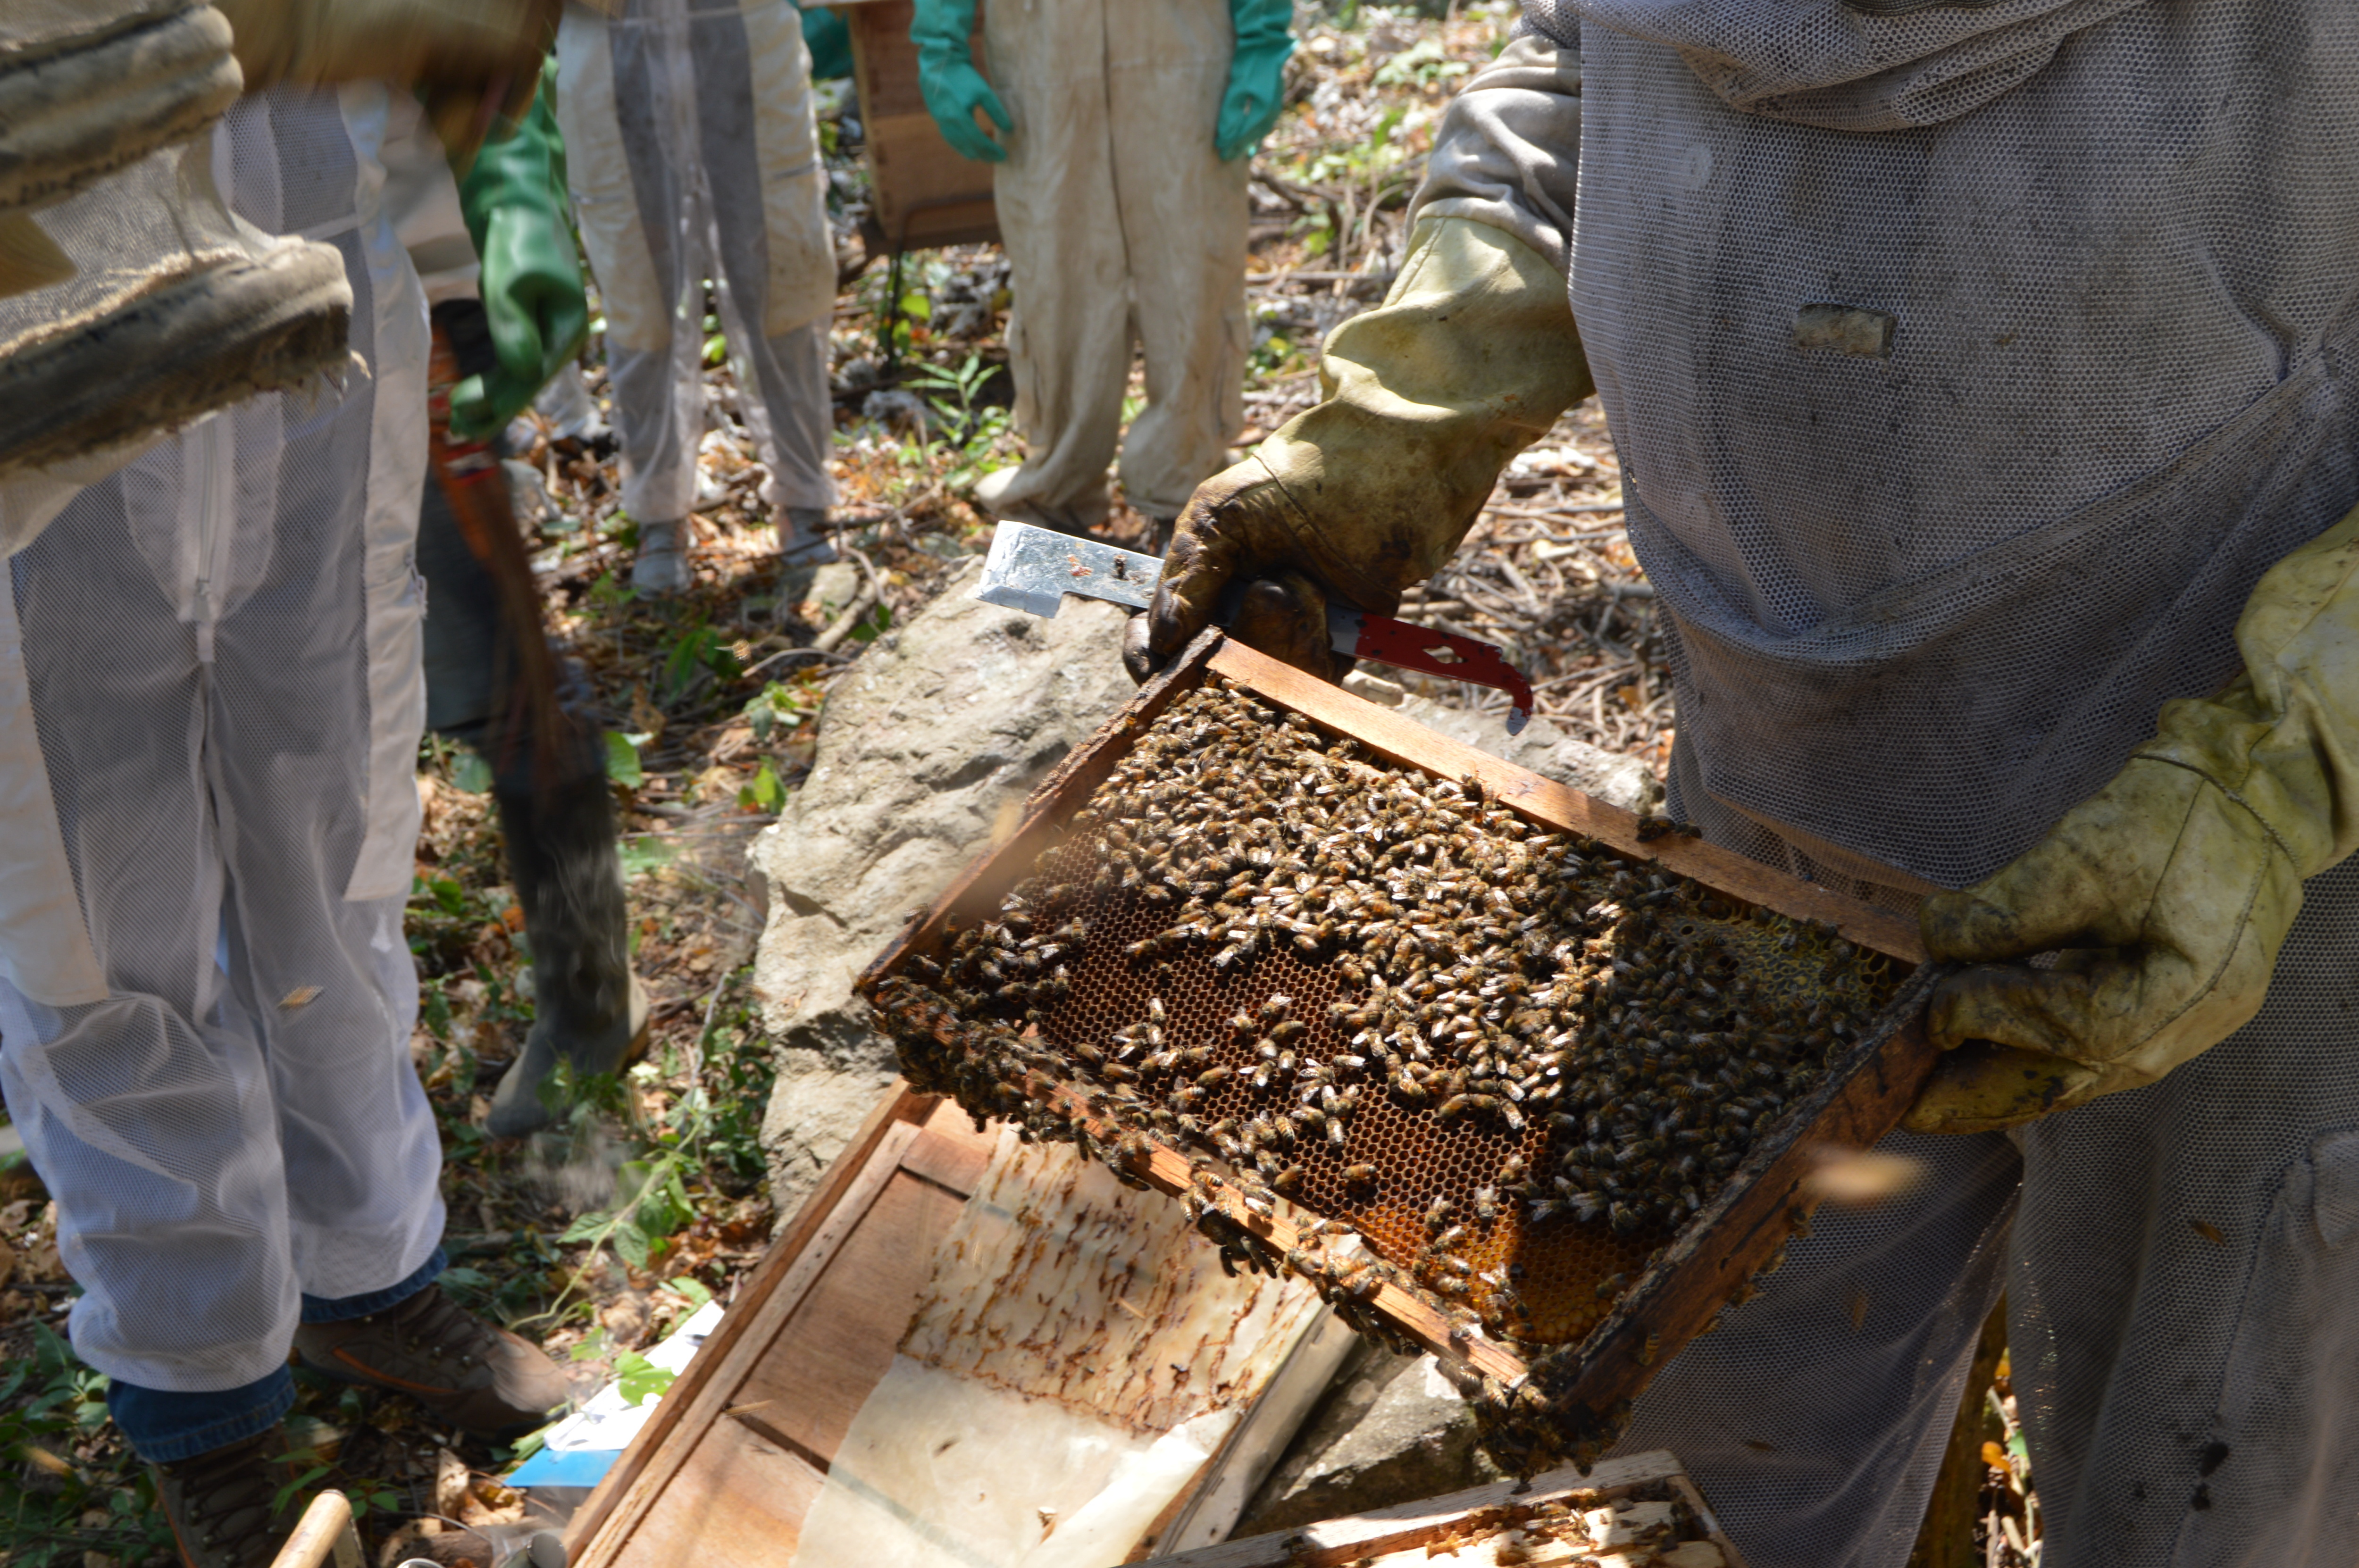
point(1509, 1062)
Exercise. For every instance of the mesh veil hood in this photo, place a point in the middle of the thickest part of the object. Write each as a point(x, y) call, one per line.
point(1845, 65)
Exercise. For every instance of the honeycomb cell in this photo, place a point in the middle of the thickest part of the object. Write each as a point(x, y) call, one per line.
point(1512, 1062)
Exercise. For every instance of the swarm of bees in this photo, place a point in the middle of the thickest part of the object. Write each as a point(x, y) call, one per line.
point(1503, 1065)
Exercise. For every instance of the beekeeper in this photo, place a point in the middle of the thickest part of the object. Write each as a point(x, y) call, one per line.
point(495, 255)
point(1122, 136)
point(210, 666)
point(692, 153)
point(1978, 380)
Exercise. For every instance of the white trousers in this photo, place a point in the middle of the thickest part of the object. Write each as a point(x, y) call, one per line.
point(1122, 227)
point(692, 152)
point(210, 707)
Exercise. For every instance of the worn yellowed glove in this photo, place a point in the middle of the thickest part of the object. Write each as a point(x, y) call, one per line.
point(473, 61)
point(2169, 892)
point(1469, 360)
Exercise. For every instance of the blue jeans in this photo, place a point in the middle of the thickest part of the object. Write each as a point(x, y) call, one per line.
point(165, 1427)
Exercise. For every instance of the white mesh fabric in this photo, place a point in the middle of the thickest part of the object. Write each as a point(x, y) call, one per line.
point(1814, 1416)
point(1924, 601)
point(202, 638)
point(2183, 1305)
point(692, 151)
point(1962, 579)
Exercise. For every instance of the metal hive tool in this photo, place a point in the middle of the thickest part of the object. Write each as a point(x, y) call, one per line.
point(1647, 1036)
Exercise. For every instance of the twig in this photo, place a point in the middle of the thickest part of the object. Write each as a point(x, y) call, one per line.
point(816, 652)
point(863, 602)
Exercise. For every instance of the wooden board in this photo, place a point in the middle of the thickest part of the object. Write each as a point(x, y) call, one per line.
point(1331, 1544)
point(1736, 1236)
point(699, 1478)
point(922, 193)
point(728, 1466)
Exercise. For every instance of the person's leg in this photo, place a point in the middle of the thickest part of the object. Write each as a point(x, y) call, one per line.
point(1184, 217)
point(1814, 1416)
point(2183, 1303)
point(556, 815)
point(759, 143)
point(129, 1065)
point(615, 106)
point(1068, 336)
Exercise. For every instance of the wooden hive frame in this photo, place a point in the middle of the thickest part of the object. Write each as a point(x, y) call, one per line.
point(1581, 1391)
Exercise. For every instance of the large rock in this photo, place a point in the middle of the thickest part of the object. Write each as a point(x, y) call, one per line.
point(940, 730)
point(1391, 1430)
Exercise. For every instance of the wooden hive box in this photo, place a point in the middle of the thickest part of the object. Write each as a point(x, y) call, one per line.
point(1543, 1391)
point(734, 1456)
point(1636, 1511)
point(923, 193)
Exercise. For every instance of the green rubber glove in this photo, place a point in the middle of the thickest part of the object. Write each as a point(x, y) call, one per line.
point(2166, 893)
point(1256, 74)
point(513, 198)
point(953, 89)
point(829, 42)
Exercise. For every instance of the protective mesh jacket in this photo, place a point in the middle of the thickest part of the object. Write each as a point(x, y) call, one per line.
point(209, 719)
point(1967, 367)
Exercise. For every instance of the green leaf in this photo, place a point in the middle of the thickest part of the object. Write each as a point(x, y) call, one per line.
point(631, 1243)
point(470, 773)
point(636, 1379)
point(644, 852)
point(692, 1289)
point(764, 793)
point(623, 759)
point(585, 1229)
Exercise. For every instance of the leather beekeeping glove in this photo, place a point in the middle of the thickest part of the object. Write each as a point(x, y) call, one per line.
point(953, 89)
point(514, 199)
point(475, 60)
point(1256, 74)
point(2168, 892)
point(1469, 360)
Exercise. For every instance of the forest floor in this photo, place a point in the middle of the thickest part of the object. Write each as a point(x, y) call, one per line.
point(599, 1239)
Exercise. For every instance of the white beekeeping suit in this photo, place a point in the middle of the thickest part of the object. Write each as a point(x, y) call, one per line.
point(210, 710)
point(1968, 368)
point(1124, 226)
point(692, 153)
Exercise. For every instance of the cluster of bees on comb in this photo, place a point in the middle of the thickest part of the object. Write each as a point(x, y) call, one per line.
point(1501, 1065)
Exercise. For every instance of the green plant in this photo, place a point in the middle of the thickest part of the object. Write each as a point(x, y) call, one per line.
point(1422, 64)
point(635, 1378)
point(764, 793)
point(972, 428)
point(67, 1484)
point(623, 759)
point(699, 652)
point(781, 705)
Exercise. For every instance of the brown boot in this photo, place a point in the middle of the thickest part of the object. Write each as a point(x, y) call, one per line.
point(480, 1379)
point(219, 1502)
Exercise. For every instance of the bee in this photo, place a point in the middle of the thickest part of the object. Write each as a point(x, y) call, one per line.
point(1360, 1176)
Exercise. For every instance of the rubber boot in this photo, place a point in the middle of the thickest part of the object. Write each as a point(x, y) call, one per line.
point(660, 568)
point(589, 1008)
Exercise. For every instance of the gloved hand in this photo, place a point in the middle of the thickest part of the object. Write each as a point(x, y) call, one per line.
point(1256, 74)
point(514, 199)
point(953, 89)
point(476, 60)
point(1469, 360)
point(2170, 890)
